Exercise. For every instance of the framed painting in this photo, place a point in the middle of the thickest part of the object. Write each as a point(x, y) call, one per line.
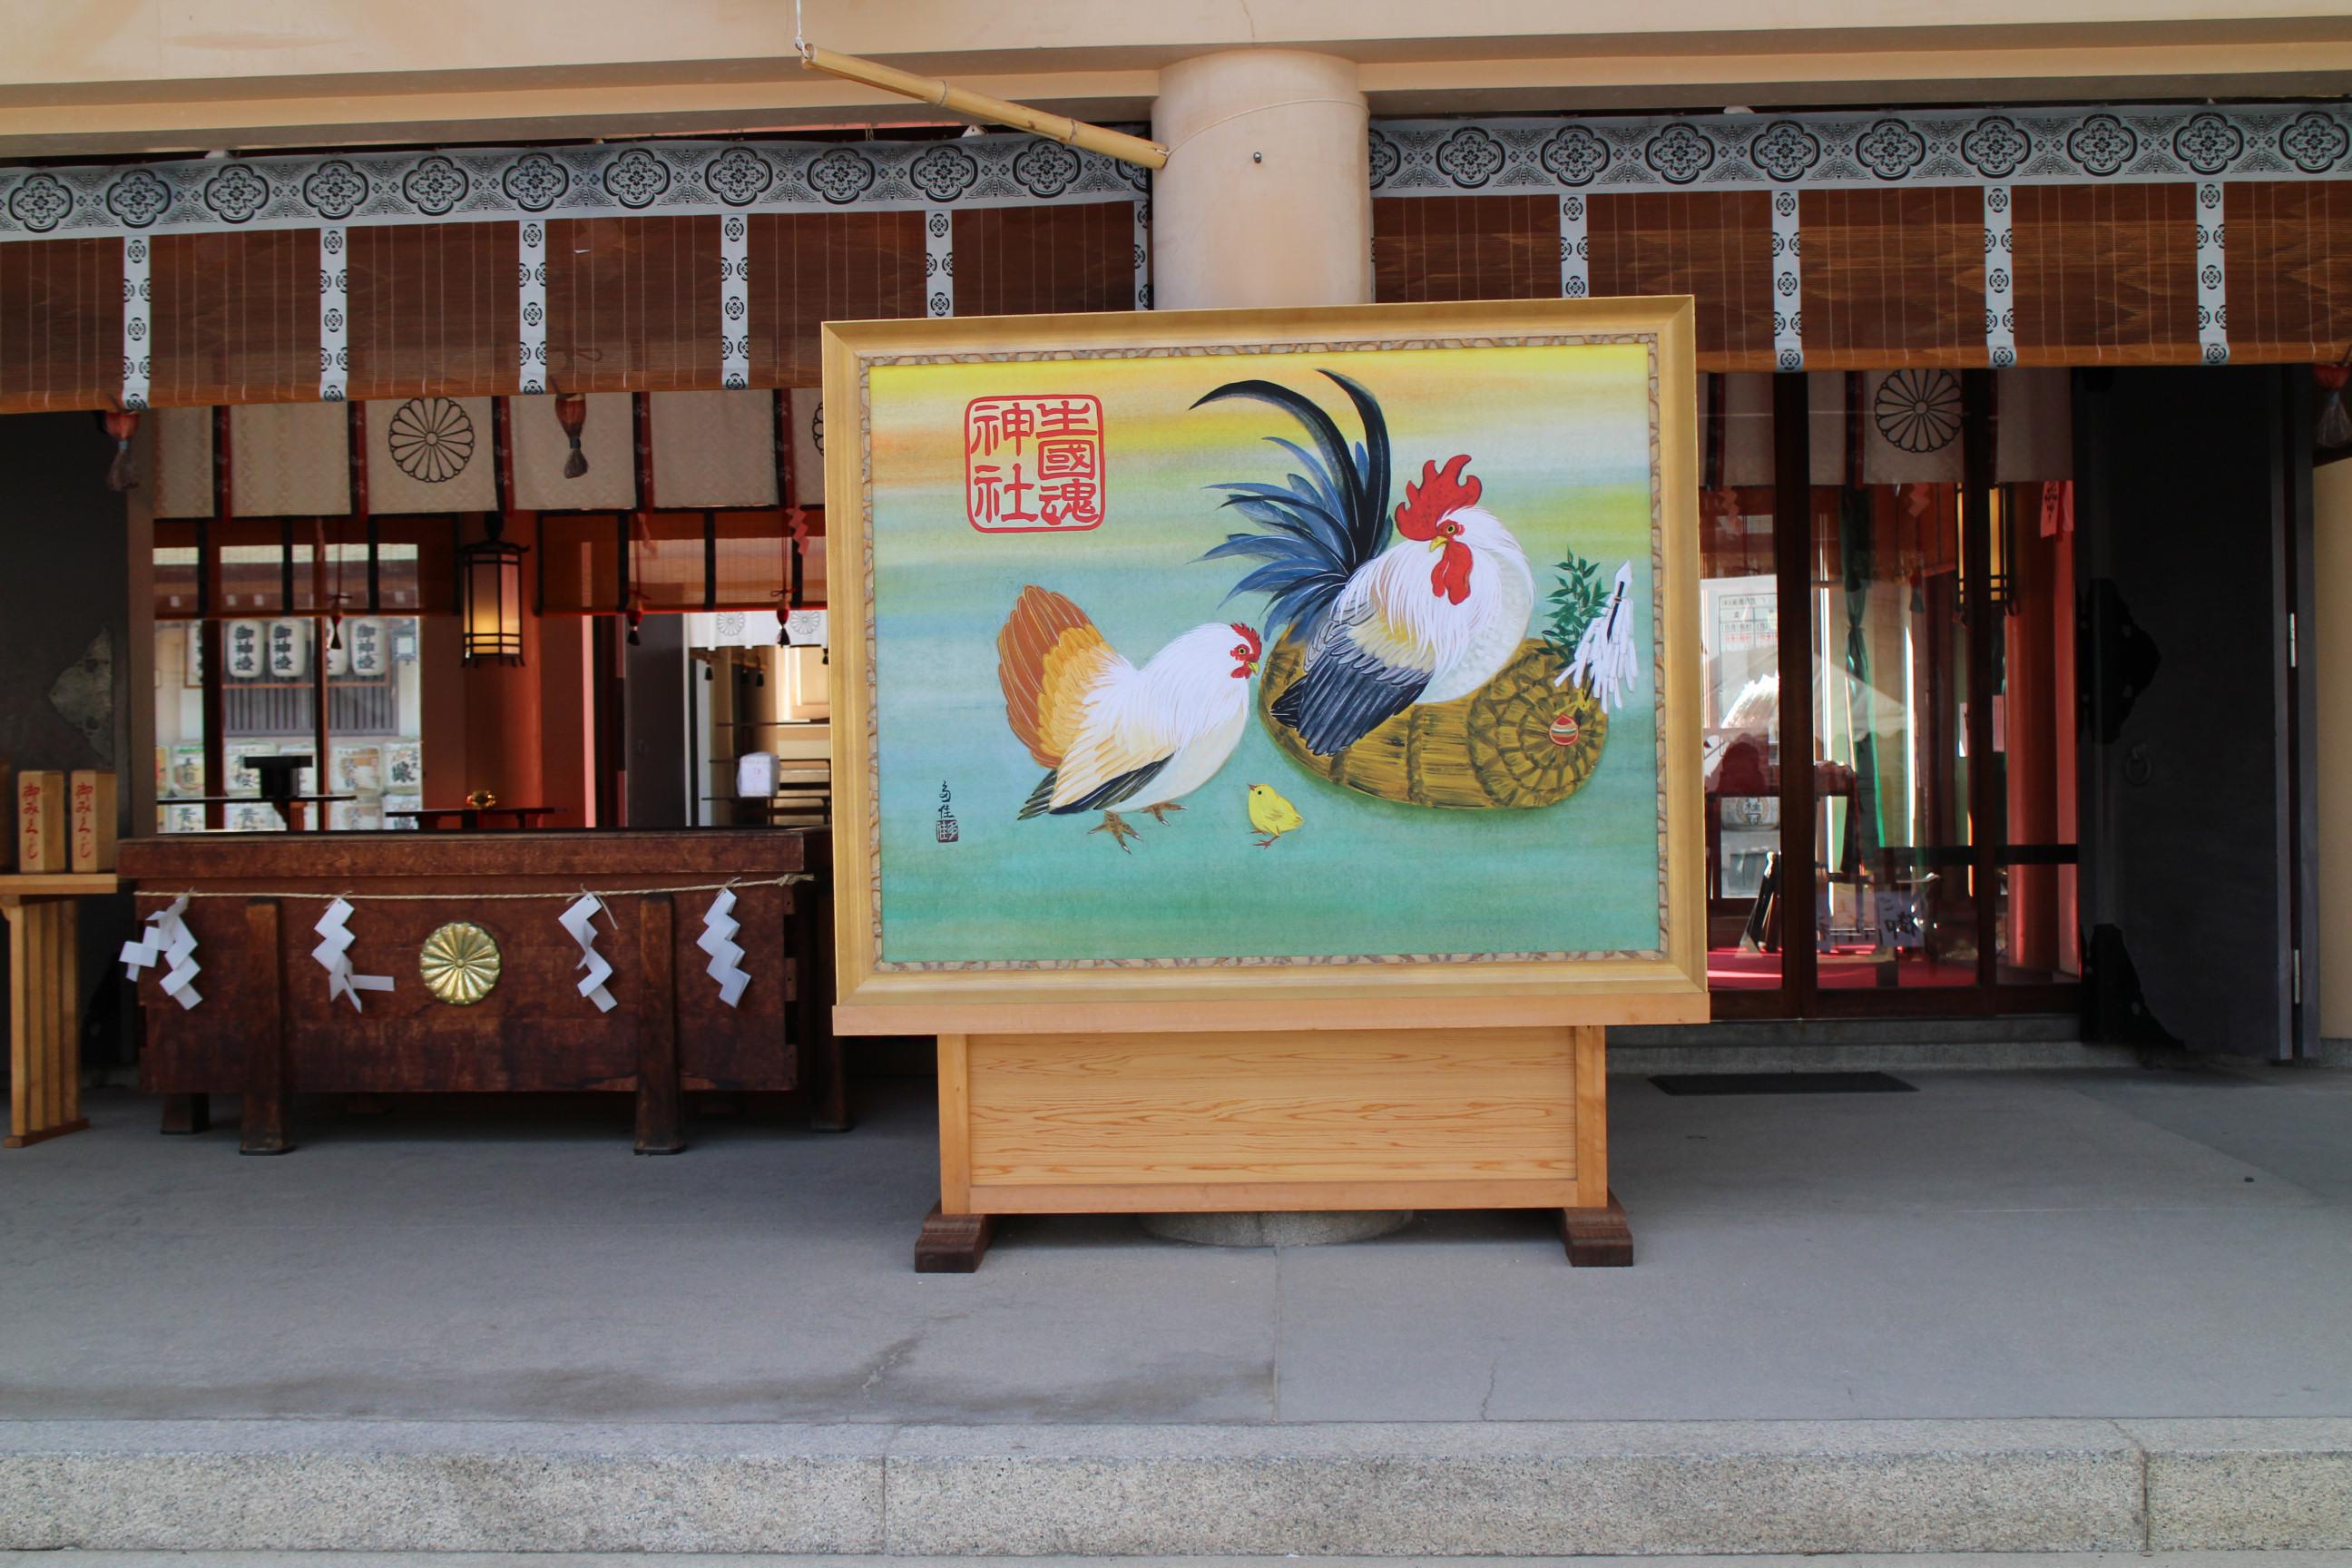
point(1283, 670)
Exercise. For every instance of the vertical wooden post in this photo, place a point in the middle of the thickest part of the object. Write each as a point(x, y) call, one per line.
point(264, 1129)
point(817, 1054)
point(1985, 621)
point(1595, 1231)
point(65, 1062)
point(953, 1239)
point(44, 1019)
point(658, 1131)
point(24, 1022)
point(1792, 544)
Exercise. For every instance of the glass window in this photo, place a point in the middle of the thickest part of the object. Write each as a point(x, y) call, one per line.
point(1895, 906)
point(1739, 631)
point(274, 667)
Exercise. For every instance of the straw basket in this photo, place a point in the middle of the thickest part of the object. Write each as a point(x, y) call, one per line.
point(1517, 741)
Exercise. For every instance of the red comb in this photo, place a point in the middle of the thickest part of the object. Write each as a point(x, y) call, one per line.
point(1248, 637)
point(1439, 493)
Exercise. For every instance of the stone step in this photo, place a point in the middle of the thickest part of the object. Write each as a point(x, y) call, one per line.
point(1384, 1490)
point(835, 1560)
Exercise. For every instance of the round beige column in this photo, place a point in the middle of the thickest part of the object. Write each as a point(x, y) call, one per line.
point(1266, 201)
point(1266, 198)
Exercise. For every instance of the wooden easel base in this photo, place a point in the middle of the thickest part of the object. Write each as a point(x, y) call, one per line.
point(1598, 1238)
point(955, 1243)
point(1240, 1121)
point(14, 1142)
point(952, 1243)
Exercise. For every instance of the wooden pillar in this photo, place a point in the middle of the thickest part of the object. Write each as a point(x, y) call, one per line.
point(43, 1018)
point(816, 1050)
point(266, 1093)
point(658, 1128)
point(953, 1239)
point(1986, 834)
point(1793, 535)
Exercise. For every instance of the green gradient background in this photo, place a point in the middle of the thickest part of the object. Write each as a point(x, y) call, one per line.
point(1560, 438)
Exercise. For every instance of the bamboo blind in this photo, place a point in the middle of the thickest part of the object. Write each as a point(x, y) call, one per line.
point(2290, 270)
point(433, 309)
point(1893, 277)
point(1428, 249)
point(236, 317)
point(2102, 275)
point(808, 269)
point(633, 304)
point(1716, 245)
point(61, 324)
point(2105, 274)
point(1013, 261)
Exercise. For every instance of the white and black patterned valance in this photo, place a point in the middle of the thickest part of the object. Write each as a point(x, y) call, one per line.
point(1863, 149)
point(664, 178)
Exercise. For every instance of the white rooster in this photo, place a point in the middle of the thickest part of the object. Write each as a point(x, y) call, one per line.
point(1110, 734)
point(1384, 626)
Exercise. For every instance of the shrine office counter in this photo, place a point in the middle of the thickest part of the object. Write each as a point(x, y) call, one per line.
point(467, 979)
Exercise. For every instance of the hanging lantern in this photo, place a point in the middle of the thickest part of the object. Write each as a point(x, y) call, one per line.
point(2000, 583)
point(289, 650)
point(571, 413)
point(490, 578)
point(121, 424)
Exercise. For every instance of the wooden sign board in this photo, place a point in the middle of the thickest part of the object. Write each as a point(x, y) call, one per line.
point(90, 818)
point(41, 821)
point(1246, 673)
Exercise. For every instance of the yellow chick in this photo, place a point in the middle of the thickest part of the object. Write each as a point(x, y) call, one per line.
point(1271, 815)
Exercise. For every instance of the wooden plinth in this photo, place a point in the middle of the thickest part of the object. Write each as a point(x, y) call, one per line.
point(1338, 1119)
point(45, 1002)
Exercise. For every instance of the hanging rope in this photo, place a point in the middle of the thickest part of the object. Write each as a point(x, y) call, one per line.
point(471, 897)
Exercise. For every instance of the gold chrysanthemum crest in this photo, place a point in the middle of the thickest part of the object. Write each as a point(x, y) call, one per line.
point(460, 964)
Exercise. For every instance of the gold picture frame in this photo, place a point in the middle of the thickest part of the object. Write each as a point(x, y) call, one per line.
point(1665, 984)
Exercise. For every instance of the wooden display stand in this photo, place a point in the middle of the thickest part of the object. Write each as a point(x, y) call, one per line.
point(1514, 1118)
point(1384, 1076)
point(45, 1002)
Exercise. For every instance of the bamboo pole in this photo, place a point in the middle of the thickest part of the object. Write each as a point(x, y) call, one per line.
point(980, 106)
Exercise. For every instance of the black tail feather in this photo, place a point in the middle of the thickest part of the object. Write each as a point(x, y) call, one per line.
point(1040, 799)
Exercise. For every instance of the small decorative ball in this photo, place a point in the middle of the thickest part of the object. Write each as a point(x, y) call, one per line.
point(1564, 731)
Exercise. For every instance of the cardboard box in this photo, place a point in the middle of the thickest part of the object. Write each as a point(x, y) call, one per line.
point(41, 822)
point(90, 813)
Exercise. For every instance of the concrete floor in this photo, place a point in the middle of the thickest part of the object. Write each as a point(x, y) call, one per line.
point(2053, 1243)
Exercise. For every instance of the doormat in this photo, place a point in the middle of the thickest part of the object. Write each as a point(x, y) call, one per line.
point(1782, 1083)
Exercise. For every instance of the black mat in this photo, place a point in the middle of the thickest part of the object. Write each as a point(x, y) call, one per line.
point(1782, 1083)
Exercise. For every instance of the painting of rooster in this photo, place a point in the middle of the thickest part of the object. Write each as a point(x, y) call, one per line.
point(1107, 733)
point(1427, 619)
point(1353, 653)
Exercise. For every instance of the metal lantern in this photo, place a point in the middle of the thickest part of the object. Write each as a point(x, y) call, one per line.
point(490, 593)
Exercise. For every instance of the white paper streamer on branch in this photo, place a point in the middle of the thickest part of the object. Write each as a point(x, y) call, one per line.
point(169, 940)
point(1605, 661)
point(719, 927)
point(575, 919)
point(333, 954)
